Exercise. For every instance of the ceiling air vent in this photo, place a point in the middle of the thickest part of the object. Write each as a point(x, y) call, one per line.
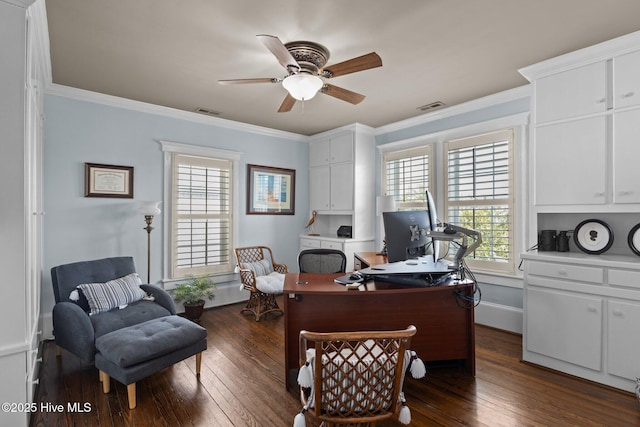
point(431, 106)
point(207, 112)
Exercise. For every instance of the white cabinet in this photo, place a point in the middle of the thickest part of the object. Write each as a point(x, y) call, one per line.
point(626, 69)
point(584, 132)
point(342, 187)
point(570, 161)
point(565, 326)
point(571, 93)
point(320, 188)
point(336, 149)
point(342, 190)
point(581, 315)
point(624, 339)
point(342, 181)
point(331, 173)
point(626, 152)
point(21, 112)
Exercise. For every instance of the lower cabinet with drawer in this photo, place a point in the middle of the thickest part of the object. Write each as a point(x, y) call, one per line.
point(348, 246)
point(582, 316)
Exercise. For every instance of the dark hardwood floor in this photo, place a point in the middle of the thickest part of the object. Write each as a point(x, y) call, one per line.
point(242, 384)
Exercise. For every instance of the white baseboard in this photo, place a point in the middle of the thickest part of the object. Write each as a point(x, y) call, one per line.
point(499, 316)
point(225, 295)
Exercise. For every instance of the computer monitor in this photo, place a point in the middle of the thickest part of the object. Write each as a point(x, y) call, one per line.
point(404, 238)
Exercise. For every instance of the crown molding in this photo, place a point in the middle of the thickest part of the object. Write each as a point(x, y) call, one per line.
point(20, 3)
point(519, 119)
point(598, 52)
point(144, 107)
point(455, 110)
point(38, 15)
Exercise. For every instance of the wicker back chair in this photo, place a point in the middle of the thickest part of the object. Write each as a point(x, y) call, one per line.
point(254, 263)
point(355, 378)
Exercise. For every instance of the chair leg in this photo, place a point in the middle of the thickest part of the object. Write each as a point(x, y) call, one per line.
point(198, 363)
point(131, 393)
point(260, 304)
point(106, 382)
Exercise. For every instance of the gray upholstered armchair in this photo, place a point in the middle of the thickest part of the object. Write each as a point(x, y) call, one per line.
point(75, 329)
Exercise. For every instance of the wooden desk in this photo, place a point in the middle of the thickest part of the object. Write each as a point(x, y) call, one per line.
point(367, 259)
point(445, 330)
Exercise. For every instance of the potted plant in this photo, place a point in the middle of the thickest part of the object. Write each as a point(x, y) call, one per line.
point(192, 293)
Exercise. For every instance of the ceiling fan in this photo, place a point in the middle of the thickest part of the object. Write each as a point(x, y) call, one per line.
point(305, 65)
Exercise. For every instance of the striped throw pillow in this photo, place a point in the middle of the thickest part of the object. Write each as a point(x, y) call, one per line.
point(259, 268)
point(112, 294)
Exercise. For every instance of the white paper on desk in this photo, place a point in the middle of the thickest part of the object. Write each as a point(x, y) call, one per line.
point(417, 266)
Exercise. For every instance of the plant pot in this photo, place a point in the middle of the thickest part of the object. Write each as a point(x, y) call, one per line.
point(193, 311)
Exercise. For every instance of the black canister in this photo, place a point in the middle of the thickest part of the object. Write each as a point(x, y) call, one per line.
point(547, 240)
point(563, 241)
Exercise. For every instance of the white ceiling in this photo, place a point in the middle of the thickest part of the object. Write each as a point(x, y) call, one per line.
point(172, 53)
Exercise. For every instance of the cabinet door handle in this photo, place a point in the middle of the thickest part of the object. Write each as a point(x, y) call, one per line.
point(592, 309)
point(618, 313)
point(625, 192)
point(601, 101)
point(599, 194)
point(627, 94)
point(562, 273)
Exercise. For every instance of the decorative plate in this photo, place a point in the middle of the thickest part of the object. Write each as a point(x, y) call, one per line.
point(593, 236)
point(634, 239)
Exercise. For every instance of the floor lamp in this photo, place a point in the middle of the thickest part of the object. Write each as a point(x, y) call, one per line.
point(149, 210)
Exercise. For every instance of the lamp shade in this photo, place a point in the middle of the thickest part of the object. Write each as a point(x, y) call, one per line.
point(149, 208)
point(302, 86)
point(385, 204)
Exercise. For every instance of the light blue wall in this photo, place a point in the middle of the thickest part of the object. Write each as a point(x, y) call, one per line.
point(78, 228)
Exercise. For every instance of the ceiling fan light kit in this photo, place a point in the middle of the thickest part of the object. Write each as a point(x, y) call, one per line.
point(302, 86)
point(305, 65)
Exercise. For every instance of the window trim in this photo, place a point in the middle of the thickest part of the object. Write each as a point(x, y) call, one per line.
point(422, 150)
point(509, 134)
point(169, 148)
point(519, 123)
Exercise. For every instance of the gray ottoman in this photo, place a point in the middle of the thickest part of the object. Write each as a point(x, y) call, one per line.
point(133, 353)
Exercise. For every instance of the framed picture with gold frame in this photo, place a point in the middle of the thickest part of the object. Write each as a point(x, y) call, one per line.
point(270, 191)
point(108, 181)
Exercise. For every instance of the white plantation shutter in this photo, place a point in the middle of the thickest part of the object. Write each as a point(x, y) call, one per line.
point(407, 175)
point(479, 195)
point(201, 216)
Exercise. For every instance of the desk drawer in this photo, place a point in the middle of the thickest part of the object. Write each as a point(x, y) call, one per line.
point(331, 245)
point(567, 272)
point(309, 243)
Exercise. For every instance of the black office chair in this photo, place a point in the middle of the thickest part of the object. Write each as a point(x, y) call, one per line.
point(324, 261)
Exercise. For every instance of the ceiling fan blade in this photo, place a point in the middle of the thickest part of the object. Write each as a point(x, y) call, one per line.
point(279, 50)
point(287, 104)
point(342, 94)
point(246, 81)
point(361, 63)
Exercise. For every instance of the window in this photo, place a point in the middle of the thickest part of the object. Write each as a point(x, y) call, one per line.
point(479, 195)
point(407, 175)
point(200, 188)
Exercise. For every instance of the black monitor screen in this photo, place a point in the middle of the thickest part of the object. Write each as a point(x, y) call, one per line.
point(402, 244)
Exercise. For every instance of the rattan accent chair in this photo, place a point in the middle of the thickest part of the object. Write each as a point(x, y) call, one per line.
point(353, 378)
point(322, 261)
point(257, 262)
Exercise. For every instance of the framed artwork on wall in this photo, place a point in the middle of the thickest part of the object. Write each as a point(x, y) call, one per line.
point(270, 191)
point(108, 181)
